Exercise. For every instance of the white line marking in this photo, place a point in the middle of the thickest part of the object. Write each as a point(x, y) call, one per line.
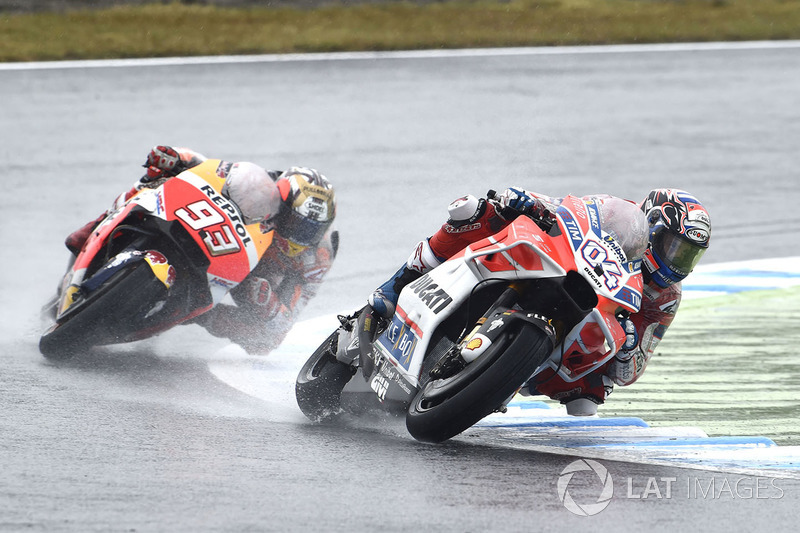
point(405, 54)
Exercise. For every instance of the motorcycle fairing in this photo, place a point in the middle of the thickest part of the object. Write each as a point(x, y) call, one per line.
point(192, 199)
point(520, 251)
point(416, 315)
point(598, 258)
point(74, 278)
point(587, 347)
point(400, 338)
point(217, 226)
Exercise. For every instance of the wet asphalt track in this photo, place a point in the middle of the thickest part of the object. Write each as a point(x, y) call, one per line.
point(144, 438)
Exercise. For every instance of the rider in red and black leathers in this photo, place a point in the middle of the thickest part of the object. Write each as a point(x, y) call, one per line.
point(680, 230)
point(291, 271)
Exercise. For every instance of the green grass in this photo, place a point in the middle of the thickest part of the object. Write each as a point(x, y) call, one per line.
point(729, 365)
point(159, 30)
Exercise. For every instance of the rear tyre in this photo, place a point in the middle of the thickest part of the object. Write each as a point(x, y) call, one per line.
point(108, 315)
point(320, 383)
point(446, 407)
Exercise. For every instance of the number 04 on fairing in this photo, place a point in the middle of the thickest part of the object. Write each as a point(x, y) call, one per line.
point(501, 314)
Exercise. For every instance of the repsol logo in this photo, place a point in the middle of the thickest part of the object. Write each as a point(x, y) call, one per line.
point(431, 295)
point(232, 212)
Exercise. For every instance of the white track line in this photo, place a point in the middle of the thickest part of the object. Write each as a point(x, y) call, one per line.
point(272, 380)
point(405, 54)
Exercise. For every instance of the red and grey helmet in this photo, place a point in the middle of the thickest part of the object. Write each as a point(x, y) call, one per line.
point(680, 231)
point(308, 211)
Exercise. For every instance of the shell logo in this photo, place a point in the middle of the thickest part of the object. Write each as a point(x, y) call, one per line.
point(474, 344)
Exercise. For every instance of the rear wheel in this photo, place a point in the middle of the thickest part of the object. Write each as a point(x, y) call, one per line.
point(444, 408)
point(108, 315)
point(321, 380)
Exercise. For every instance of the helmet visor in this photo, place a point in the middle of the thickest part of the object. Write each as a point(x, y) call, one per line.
point(301, 230)
point(677, 253)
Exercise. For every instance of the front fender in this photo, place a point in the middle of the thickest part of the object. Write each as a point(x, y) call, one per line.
point(76, 291)
point(502, 319)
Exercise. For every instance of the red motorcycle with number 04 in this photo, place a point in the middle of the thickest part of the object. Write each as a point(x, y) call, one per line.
point(535, 304)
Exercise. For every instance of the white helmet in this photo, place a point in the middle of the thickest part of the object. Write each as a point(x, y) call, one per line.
point(253, 191)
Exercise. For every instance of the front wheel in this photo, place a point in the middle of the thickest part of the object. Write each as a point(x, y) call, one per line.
point(446, 407)
point(108, 315)
point(321, 380)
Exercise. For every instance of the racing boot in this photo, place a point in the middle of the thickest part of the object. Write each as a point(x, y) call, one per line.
point(582, 406)
point(421, 260)
point(75, 241)
point(586, 404)
point(384, 299)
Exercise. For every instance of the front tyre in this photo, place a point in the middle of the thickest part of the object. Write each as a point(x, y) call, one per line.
point(320, 383)
point(444, 408)
point(110, 314)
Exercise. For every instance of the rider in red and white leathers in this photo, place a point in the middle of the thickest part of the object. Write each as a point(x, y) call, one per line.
point(304, 245)
point(680, 230)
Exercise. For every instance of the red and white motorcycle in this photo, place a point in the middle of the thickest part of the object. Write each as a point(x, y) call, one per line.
point(539, 298)
point(165, 256)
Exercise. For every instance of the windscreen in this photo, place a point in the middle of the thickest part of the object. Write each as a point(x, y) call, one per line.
point(626, 223)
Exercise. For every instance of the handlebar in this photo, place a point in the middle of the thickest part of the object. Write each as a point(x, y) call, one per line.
point(544, 220)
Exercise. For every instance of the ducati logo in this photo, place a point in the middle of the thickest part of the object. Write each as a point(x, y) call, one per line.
point(434, 297)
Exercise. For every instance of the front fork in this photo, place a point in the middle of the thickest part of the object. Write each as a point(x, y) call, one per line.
point(356, 335)
point(461, 355)
point(487, 330)
point(483, 334)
